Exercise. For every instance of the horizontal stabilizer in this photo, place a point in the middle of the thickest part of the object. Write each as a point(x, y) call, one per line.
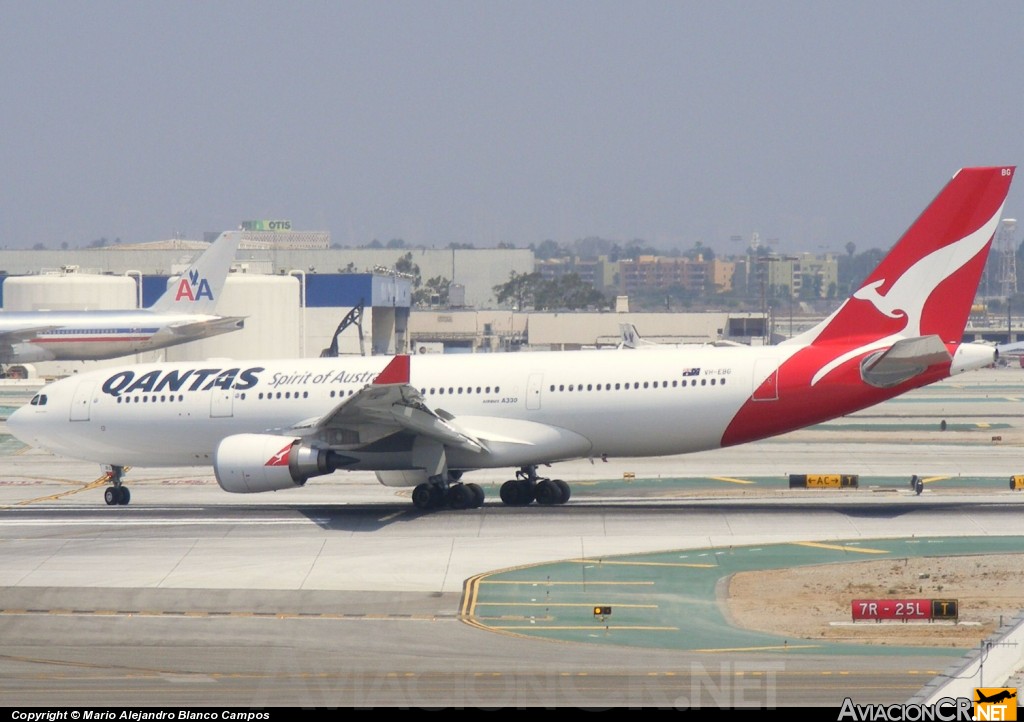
point(903, 360)
point(208, 327)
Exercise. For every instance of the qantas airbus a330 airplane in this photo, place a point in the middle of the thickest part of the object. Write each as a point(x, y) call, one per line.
point(424, 422)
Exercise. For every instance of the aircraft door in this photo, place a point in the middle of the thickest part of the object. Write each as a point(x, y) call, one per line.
point(766, 380)
point(222, 403)
point(533, 389)
point(81, 402)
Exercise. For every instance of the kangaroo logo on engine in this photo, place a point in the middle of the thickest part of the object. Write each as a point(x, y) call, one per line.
point(281, 457)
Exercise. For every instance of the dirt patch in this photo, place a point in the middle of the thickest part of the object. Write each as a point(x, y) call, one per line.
point(814, 603)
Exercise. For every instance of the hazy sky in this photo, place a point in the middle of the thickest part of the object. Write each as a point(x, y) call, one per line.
point(816, 123)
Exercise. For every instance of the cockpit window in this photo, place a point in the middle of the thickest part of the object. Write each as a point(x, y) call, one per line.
point(38, 400)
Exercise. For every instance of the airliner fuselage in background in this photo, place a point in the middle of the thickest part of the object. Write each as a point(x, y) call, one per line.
point(426, 421)
point(185, 312)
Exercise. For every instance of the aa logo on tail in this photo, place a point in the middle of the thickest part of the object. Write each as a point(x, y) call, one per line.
point(193, 288)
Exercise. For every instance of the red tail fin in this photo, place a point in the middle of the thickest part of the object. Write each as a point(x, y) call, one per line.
point(927, 282)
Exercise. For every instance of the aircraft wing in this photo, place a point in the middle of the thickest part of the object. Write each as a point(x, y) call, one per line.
point(379, 410)
point(903, 360)
point(23, 335)
point(10, 339)
point(388, 406)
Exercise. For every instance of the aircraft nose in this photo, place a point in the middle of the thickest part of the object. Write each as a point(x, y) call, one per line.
point(19, 424)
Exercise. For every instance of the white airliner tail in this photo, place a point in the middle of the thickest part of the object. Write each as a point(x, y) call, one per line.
point(629, 337)
point(199, 288)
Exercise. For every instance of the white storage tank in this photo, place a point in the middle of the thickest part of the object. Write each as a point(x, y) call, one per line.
point(70, 292)
point(271, 305)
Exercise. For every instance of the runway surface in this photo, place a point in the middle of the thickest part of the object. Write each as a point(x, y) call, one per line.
point(342, 594)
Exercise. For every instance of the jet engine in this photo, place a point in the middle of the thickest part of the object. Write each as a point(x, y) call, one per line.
point(249, 463)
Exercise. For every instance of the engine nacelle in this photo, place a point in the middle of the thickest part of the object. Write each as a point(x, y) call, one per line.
point(250, 463)
point(971, 356)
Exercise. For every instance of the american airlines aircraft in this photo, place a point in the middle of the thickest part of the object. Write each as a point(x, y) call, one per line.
point(183, 313)
point(424, 422)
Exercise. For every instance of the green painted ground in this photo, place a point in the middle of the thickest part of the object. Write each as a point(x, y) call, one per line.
point(582, 489)
point(667, 600)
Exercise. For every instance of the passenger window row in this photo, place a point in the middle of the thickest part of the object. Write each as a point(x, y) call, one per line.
point(637, 385)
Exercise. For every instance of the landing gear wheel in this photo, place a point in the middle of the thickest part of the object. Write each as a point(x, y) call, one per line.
point(460, 497)
point(527, 487)
point(527, 491)
point(548, 492)
point(478, 495)
point(423, 497)
point(513, 494)
point(117, 495)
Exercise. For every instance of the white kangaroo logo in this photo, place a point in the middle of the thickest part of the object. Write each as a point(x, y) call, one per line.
point(912, 290)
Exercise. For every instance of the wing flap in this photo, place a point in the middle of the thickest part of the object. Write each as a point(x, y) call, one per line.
point(378, 410)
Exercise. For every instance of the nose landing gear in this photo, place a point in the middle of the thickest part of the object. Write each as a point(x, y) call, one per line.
point(117, 494)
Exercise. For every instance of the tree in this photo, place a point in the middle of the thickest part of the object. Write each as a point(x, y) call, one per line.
point(573, 293)
point(530, 290)
point(434, 292)
point(592, 247)
point(404, 264)
point(549, 249)
point(700, 252)
point(520, 289)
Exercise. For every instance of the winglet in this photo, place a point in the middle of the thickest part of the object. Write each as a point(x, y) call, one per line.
point(198, 289)
point(396, 372)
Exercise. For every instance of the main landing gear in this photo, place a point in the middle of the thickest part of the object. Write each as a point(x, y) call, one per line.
point(440, 492)
point(117, 494)
point(527, 487)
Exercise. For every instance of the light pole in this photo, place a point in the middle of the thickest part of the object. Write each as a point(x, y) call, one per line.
point(765, 261)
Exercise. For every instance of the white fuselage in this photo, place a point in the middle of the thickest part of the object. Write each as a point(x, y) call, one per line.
point(626, 403)
point(93, 335)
